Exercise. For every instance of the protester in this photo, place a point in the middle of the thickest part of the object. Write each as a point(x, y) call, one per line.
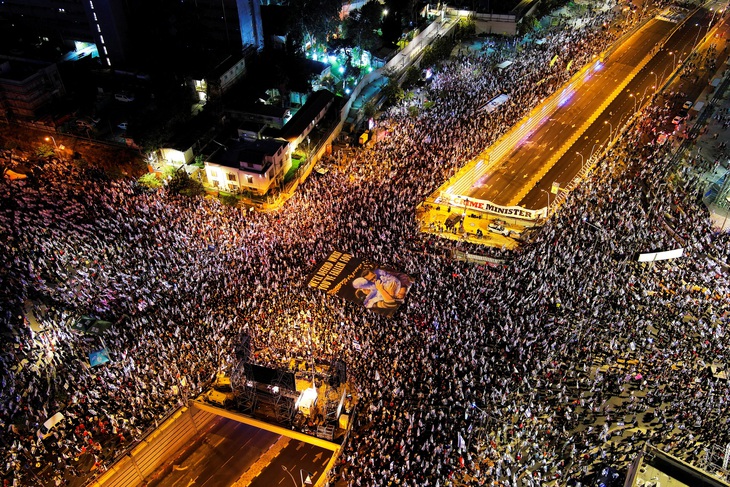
point(540, 371)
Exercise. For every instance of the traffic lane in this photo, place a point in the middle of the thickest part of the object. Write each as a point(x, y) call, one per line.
point(234, 453)
point(593, 140)
point(503, 182)
point(529, 155)
point(515, 170)
point(621, 109)
point(223, 454)
point(297, 455)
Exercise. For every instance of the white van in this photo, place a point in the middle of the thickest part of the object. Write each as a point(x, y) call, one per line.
point(45, 430)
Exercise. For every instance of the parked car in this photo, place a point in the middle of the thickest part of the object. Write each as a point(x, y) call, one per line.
point(497, 228)
point(221, 394)
point(124, 97)
point(87, 122)
point(45, 430)
point(687, 105)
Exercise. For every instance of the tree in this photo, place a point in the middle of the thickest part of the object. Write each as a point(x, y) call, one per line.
point(313, 19)
point(44, 151)
point(369, 109)
point(362, 25)
point(150, 180)
point(413, 74)
point(182, 184)
point(228, 200)
point(392, 92)
point(466, 28)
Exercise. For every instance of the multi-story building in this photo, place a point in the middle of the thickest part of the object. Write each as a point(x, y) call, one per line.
point(75, 23)
point(78, 24)
point(246, 165)
point(27, 86)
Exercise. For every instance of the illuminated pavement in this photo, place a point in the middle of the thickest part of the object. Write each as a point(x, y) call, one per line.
point(521, 176)
point(596, 137)
point(232, 453)
point(503, 184)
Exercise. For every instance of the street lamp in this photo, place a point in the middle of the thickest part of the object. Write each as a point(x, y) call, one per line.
point(632, 96)
point(593, 149)
point(656, 79)
point(643, 96)
point(55, 146)
point(674, 58)
point(610, 129)
point(697, 37)
point(548, 206)
point(582, 160)
point(283, 467)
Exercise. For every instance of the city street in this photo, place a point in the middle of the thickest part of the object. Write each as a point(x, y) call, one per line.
point(220, 457)
point(620, 110)
point(232, 453)
point(507, 180)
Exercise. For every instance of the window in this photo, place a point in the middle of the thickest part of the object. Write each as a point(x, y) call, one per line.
point(213, 173)
point(249, 179)
point(231, 176)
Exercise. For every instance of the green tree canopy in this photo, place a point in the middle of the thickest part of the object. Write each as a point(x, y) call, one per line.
point(150, 180)
point(181, 183)
point(313, 19)
point(362, 25)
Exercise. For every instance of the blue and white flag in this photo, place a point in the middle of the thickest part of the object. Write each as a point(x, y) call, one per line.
point(99, 357)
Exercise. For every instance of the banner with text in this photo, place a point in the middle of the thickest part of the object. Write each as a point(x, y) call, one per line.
point(489, 207)
point(378, 288)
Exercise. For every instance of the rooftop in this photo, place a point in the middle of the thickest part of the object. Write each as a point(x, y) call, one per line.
point(253, 152)
point(315, 103)
point(656, 468)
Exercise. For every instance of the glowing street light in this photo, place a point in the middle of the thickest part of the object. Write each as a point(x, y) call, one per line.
point(547, 193)
point(674, 58)
point(385, 12)
point(283, 467)
point(50, 138)
point(697, 37)
point(610, 128)
point(582, 160)
point(656, 79)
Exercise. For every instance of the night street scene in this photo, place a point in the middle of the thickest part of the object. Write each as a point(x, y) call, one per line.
point(366, 243)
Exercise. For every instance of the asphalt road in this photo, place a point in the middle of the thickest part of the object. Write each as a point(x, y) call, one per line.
point(299, 459)
point(510, 175)
point(657, 70)
point(505, 181)
point(224, 454)
point(231, 449)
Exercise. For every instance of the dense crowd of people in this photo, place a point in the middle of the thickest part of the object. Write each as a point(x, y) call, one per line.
point(563, 360)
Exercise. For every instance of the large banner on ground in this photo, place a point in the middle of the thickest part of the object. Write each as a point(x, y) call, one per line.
point(378, 288)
